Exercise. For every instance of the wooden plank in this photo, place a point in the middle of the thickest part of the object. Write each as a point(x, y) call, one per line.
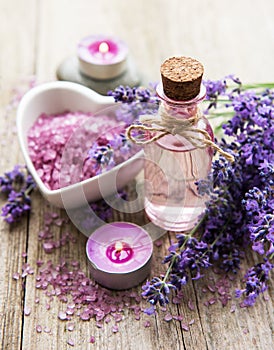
point(16, 62)
point(13, 244)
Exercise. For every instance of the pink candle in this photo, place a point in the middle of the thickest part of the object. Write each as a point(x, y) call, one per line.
point(120, 255)
point(102, 57)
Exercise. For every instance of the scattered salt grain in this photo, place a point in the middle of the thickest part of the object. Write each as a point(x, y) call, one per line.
point(26, 270)
point(107, 319)
point(48, 247)
point(58, 222)
point(212, 301)
point(176, 300)
point(71, 305)
point(16, 276)
point(27, 310)
point(92, 339)
point(158, 243)
point(221, 290)
point(70, 342)
point(75, 264)
point(266, 297)
point(85, 316)
point(147, 324)
point(224, 299)
point(211, 288)
point(38, 329)
point(39, 263)
point(184, 326)
point(233, 308)
point(70, 312)
point(243, 305)
point(118, 317)
point(168, 317)
point(178, 317)
point(47, 330)
point(70, 327)
point(62, 315)
point(115, 329)
point(190, 305)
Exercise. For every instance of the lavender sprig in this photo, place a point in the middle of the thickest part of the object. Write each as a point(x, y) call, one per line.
point(259, 205)
point(255, 282)
point(188, 254)
point(108, 152)
point(16, 186)
point(125, 94)
point(12, 179)
point(134, 101)
point(217, 88)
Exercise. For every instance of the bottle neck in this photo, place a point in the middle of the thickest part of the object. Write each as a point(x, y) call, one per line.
point(180, 109)
point(180, 112)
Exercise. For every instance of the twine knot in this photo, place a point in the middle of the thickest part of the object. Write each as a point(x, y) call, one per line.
point(166, 124)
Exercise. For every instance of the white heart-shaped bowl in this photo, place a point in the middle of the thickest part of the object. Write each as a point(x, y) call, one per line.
point(57, 97)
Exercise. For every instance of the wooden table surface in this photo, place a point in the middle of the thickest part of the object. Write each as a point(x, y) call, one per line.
point(35, 36)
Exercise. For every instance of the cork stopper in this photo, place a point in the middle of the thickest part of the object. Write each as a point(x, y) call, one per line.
point(181, 78)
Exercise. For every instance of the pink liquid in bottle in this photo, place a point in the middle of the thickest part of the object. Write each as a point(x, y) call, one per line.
point(172, 168)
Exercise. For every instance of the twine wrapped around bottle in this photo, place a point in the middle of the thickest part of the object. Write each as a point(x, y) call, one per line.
point(166, 124)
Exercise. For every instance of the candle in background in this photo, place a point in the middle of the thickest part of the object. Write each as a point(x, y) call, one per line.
point(102, 63)
point(102, 57)
point(120, 255)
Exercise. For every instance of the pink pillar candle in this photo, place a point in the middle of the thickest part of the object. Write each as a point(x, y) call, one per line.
point(102, 57)
point(119, 254)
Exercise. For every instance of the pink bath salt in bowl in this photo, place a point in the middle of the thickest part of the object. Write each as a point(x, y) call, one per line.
point(73, 145)
point(73, 134)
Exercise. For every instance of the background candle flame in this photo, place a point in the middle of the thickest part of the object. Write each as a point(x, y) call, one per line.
point(103, 47)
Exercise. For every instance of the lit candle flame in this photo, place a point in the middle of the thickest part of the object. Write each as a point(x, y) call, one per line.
point(103, 47)
point(118, 246)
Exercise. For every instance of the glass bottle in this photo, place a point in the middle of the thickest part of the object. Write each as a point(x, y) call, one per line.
point(173, 166)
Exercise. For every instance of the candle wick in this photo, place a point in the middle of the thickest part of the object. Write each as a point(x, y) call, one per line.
point(118, 246)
